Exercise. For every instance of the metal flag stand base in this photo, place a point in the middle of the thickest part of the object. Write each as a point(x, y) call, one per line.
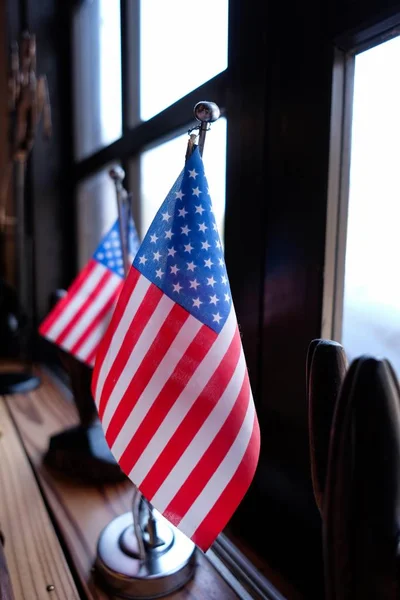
point(18, 382)
point(161, 566)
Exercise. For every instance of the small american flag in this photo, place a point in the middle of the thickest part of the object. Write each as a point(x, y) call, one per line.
point(170, 379)
point(78, 321)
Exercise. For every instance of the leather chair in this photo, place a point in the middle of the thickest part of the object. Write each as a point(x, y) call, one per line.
point(361, 508)
point(325, 372)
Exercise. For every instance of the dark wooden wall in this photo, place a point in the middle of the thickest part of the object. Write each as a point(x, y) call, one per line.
point(275, 245)
point(49, 199)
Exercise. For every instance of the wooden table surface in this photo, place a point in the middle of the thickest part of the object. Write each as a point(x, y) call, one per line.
point(52, 524)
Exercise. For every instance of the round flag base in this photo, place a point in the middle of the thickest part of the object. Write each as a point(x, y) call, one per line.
point(166, 568)
point(17, 382)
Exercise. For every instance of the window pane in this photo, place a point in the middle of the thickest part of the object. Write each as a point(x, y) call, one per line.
point(96, 212)
point(97, 75)
point(371, 318)
point(160, 167)
point(174, 59)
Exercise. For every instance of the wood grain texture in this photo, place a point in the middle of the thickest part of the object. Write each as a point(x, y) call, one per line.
point(82, 511)
point(34, 556)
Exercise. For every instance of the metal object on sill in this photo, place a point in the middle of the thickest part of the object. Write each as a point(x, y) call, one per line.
point(167, 566)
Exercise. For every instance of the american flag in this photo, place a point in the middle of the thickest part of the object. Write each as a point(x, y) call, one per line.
point(170, 379)
point(78, 321)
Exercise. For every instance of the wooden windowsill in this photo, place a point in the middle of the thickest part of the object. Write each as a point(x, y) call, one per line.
point(52, 524)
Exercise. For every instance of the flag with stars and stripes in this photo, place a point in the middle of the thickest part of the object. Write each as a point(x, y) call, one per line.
point(170, 380)
point(78, 321)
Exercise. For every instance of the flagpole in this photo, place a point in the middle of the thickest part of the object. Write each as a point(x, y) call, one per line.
point(150, 558)
point(205, 112)
point(117, 174)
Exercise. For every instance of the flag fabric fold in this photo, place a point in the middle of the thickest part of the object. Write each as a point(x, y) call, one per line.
point(78, 321)
point(170, 380)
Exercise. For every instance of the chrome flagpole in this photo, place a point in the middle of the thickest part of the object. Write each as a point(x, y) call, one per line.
point(140, 554)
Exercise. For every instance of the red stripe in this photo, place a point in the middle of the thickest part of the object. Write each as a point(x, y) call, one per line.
point(165, 336)
point(90, 298)
point(133, 333)
point(72, 290)
point(194, 419)
point(211, 459)
point(232, 495)
point(101, 316)
point(173, 387)
point(123, 300)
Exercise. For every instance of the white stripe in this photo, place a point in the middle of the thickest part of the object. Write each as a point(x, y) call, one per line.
point(92, 311)
point(160, 377)
point(136, 357)
point(221, 477)
point(185, 401)
point(94, 339)
point(76, 302)
point(202, 440)
point(142, 285)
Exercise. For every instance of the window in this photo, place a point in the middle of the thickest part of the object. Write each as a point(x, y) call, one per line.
point(107, 130)
point(371, 309)
point(367, 311)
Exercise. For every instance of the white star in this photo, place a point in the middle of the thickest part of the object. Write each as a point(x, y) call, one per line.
point(100, 256)
point(221, 262)
point(196, 191)
point(179, 195)
point(191, 266)
point(217, 318)
point(109, 254)
point(194, 284)
point(114, 234)
point(188, 247)
point(159, 273)
point(168, 234)
point(215, 227)
point(211, 281)
point(193, 173)
point(214, 299)
point(142, 260)
point(182, 212)
point(153, 238)
point(111, 263)
point(202, 227)
point(199, 209)
point(224, 279)
point(174, 269)
point(107, 245)
point(156, 255)
point(218, 244)
point(185, 230)
point(208, 263)
point(115, 244)
point(197, 302)
point(166, 216)
point(227, 298)
point(205, 245)
point(118, 253)
point(171, 251)
point(177, 287)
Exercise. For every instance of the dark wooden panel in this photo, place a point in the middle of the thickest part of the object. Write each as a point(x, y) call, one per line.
point(50, 197)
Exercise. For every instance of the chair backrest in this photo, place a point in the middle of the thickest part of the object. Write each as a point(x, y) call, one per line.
point(326, 369)
point(361, 508)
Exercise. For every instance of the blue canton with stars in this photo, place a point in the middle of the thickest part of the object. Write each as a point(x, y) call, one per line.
point(109, 251)
point(182, 252)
